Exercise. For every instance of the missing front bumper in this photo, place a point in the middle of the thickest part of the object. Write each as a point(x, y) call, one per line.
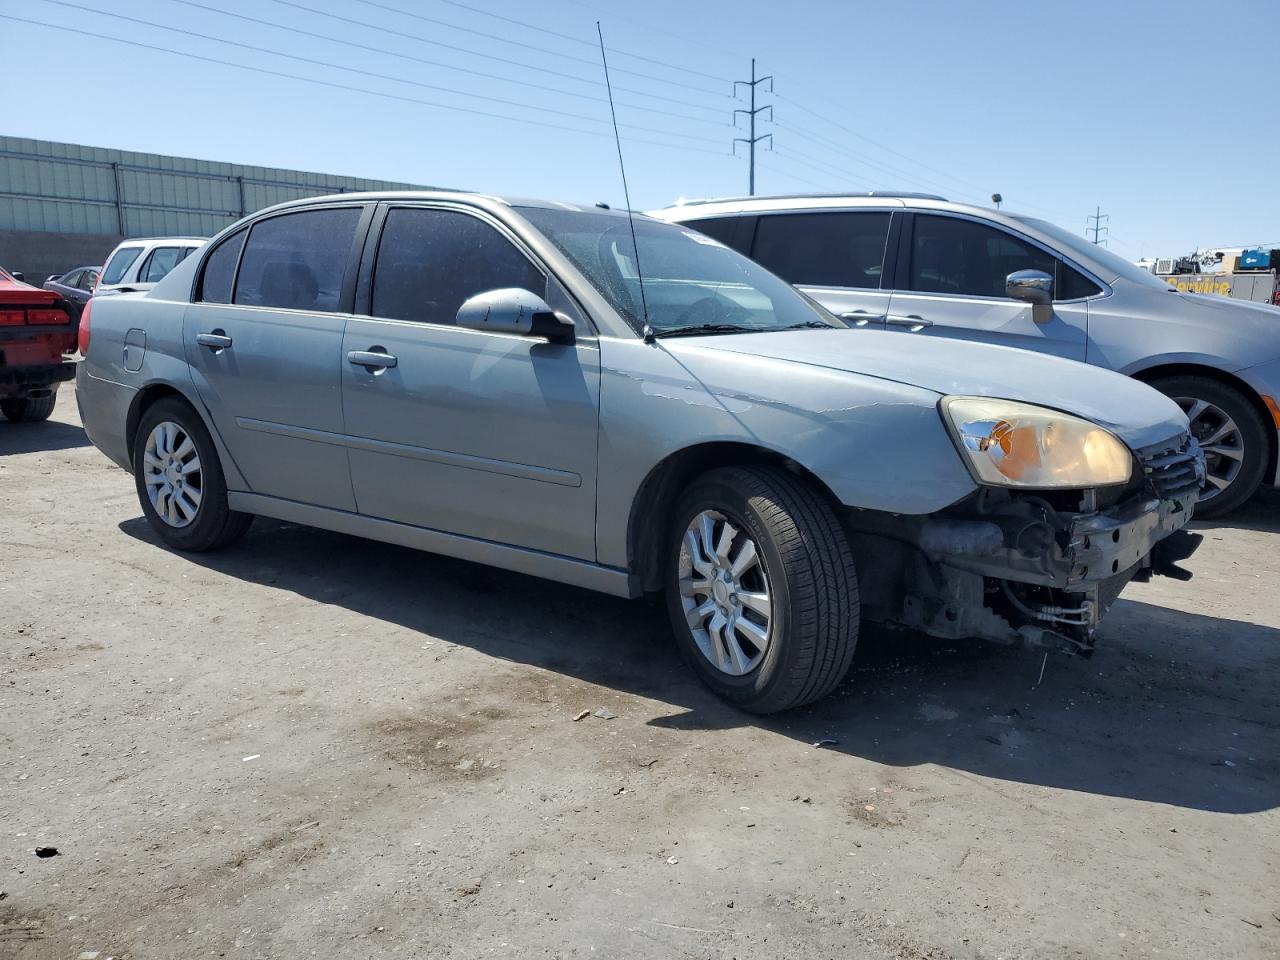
point(1019, 569)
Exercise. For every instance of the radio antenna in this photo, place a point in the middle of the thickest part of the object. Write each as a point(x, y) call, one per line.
point(626, 194)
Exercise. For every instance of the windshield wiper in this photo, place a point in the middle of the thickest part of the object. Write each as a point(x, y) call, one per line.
point(814, 324)
point(700, 329)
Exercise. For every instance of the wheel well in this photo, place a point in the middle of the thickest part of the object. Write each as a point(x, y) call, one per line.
point(1151, 374)
point(146, 397)
point(650, 518)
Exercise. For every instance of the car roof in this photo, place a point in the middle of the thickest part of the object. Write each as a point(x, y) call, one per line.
point(143, 241)
point(466, 196)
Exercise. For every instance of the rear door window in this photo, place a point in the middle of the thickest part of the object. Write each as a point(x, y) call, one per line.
point(297, 261)
point(71, 279)
point(430, 261)
point(969, 259)
point(159, 263)
point(120, 262)
point(824, 249)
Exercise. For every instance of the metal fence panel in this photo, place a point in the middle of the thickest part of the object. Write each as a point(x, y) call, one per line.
point(70, 188)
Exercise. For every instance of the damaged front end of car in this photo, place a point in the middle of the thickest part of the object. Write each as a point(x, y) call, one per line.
point(1032, 566)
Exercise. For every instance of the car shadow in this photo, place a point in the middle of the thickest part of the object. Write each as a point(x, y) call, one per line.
point(1261, 513)
point(37, 437)
point(1175, 708)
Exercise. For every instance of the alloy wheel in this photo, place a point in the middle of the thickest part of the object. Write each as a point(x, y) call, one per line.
point(725, 593)
point(1220, 439)
point(171, 472)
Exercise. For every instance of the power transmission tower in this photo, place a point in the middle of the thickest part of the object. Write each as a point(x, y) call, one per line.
point(1097, 229)
point(751, 140)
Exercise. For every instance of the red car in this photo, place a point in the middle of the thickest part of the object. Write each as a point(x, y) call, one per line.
point(36, 331)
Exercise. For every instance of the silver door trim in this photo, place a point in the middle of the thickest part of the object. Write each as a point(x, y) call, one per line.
point(508, 468)
point(580, 573)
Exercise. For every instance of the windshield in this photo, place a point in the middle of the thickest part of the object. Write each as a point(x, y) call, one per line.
point(690, 280)
point(1112, 264)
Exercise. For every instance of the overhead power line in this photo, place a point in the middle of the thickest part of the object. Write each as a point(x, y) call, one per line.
point(486, 74)
point(792, 176)
point(349, 87)
point(862, 160)
point(683, 37)
point(875, 143)
point(524, 24)
point(370, 73)
point(490, 36)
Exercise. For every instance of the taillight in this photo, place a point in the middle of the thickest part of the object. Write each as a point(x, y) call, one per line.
point(41, 317)
point(12, 318)
point(82, 337)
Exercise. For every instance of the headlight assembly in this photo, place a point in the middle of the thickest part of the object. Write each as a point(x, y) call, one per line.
point(1013, 444)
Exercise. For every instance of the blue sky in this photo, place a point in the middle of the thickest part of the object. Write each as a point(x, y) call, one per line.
point(1159, 112)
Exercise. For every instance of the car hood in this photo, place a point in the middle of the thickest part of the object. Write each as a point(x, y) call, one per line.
point(1133, 411)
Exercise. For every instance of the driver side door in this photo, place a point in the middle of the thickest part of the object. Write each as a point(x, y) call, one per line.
point(471, 432)
point(950, 282)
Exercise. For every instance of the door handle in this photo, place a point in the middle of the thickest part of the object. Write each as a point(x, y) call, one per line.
point(371, 359)
point(860, 318)
point(913, 323)
point(216, 341)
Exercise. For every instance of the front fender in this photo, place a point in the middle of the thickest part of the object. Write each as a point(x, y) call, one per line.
point(876, 444)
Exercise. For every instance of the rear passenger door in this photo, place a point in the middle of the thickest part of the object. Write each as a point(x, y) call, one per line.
point(838, 258)
point(950, 281)
point(482, 434)
point(264, 342)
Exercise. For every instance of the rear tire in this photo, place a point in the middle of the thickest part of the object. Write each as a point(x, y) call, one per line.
point(180, 482)
point(1212, 407)
point(28, 409)
point(767, 615)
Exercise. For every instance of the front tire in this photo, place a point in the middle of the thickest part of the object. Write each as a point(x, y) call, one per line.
point(761, 588)
point(28, 409)
point(179, 480)
point(1232, 434)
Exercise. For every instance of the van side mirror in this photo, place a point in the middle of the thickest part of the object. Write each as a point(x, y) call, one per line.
point(512, 310)
point(1031, 286)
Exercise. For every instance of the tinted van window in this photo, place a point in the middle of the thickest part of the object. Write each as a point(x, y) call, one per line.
point(120, 261)
point(220, 269)
point(297, 261)
point(824, 249)
point(966, 258)
point(732, 231)
point(430, 261)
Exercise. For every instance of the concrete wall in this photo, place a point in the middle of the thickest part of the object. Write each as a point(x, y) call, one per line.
point(39, 254)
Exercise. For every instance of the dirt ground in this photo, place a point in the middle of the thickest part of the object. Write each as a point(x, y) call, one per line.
point(310, 745)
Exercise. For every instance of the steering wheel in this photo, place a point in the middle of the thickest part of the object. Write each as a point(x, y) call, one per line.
point(719, 310)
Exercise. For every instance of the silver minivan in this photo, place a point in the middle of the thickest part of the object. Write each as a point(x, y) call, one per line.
point(926, 267)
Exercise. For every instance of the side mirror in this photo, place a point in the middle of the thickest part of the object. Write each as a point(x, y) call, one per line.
point(1031, 286)
point(517, 311)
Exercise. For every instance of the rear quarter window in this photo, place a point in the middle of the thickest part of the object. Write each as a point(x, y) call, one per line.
point(220, 269)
